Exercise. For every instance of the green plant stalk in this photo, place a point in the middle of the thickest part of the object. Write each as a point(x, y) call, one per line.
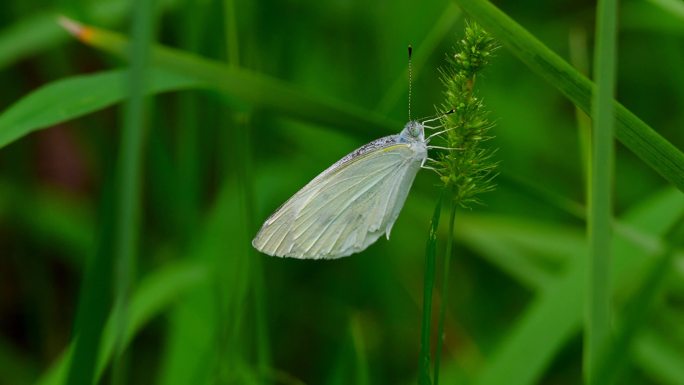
point(188, 128)
point(356, 331)
point(129, 180)
point(579, 58)
point(597, 321)
point(246, 194)
point(466, 168)
point(242, 148)
point(428, 286)
point(445, 290)
point(631, 131)
point(93, 304)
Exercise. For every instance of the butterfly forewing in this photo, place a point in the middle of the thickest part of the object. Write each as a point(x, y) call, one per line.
point(347, 207)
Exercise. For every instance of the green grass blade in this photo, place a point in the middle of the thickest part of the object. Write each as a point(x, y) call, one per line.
point(194, 323)
point(444, 290)
point(638, 309)
point(154, 294)
point(579, 57)
point(64, 100)
point(597, 321)
point(129, 180)
point(673, 7)
point(61, 222)
point(362, 376)
point(421, 54)
point(658, 356)
point(636, 135)
point(29, 36)
point(93, 304)
point(247, 85)
point(38, 32)
point(663, 17)
point(429, 284)
point(531, 252)
point(242, 151)
point(556, 314)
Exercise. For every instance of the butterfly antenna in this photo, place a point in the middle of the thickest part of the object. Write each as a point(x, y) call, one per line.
point(410, 51)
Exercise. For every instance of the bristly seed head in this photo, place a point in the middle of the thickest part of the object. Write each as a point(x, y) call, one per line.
point(469, 171)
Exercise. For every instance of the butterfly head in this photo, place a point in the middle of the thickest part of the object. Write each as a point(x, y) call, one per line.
point(413, 132)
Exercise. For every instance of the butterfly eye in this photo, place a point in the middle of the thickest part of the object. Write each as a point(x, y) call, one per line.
point(416, 130)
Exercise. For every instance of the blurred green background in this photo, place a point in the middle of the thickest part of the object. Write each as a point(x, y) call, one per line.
point(201, 306)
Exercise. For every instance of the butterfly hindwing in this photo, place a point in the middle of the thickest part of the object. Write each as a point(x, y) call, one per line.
point(344, 209)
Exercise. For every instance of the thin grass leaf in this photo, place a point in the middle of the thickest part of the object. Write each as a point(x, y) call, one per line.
point(58, 221)
point(246, 85)
point(444, 290)
point(443, 25)
point(531, 252)
point(64, 100)
point(34, 34)
point(652, 16)
point(636, 135)
point(429, 284)
point(597, 321)
point(29, 36)
point(153, 296)
point(361, 363)
point(658, 356)
point(673, 7)
point(612, 358)
point(93, 304)
point(194, 323)
point(556, 314)
point(547, 332)
point(242, 146)
point(579, 57)
point(129, 180)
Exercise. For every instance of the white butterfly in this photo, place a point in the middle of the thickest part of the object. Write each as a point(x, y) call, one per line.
point(351, 204)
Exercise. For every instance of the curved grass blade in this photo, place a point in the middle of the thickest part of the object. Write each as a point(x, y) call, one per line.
point(450, 15)
point(27, 37)
point(153, 295)
point(659, 357)
point(66, 99)
point(38, 32)
point(608, 365)
point(247, 85)
point(640, 138)
point(555, 315)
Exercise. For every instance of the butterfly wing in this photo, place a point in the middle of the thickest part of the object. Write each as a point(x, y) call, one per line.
point(346, 208)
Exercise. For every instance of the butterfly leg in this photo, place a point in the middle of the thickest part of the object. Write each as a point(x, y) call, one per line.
point(444, 148)
point(440, 116)
point(427, 140)
point(433, 169)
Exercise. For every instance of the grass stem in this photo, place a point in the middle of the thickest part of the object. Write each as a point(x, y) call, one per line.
point(597, 328)
point(445, 289)
point(428, 285)
point(129, 177)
